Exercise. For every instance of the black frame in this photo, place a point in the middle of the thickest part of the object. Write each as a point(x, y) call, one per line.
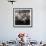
point(22, 25)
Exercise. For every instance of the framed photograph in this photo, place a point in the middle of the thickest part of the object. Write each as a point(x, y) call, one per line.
point(22, 17)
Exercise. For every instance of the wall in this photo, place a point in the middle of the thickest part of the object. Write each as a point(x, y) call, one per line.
point(37, 32)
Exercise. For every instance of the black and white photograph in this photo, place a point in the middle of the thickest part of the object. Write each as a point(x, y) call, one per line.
point(22, 17)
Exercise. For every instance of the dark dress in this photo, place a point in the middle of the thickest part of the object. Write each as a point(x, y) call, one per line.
point(19, 22)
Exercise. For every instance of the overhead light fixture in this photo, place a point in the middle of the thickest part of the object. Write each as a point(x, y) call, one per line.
point(12, 1)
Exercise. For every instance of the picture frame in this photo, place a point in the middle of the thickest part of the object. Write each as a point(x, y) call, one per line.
point(22, 17)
